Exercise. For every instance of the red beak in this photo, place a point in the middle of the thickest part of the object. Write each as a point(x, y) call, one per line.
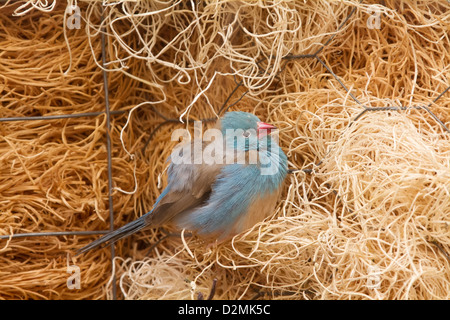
point(264, 128)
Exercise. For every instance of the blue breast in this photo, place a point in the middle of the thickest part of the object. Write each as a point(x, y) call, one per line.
point(234, 191)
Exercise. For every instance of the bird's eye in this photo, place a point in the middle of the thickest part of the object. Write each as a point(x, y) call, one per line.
point(246, 134)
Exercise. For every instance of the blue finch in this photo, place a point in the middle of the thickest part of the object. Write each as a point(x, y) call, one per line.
point(218, 199)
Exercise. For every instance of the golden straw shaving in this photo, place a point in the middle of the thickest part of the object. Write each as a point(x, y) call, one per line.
point(370, 222)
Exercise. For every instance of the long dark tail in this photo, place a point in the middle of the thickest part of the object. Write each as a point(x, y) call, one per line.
point(113, 236)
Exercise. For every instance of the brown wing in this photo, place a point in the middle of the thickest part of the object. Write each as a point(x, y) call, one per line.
point(189, 186)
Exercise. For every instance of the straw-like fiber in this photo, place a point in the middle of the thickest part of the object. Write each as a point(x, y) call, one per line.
point(371, 219)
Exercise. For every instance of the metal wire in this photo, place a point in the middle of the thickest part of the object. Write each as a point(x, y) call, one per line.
point(108, 148)
point(108, 113)
point(60, 116)
point(52, 233)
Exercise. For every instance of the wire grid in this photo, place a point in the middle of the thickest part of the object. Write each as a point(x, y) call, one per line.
point(223, 108)
point(108, 113)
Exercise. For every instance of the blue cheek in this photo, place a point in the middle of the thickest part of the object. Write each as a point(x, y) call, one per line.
point(246, 144)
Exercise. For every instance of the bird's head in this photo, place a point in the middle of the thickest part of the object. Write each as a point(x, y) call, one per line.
point(245, 131)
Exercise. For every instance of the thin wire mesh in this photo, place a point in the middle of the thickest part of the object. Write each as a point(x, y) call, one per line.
point(225, 106)
point(108, 148)
point(108, 114)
